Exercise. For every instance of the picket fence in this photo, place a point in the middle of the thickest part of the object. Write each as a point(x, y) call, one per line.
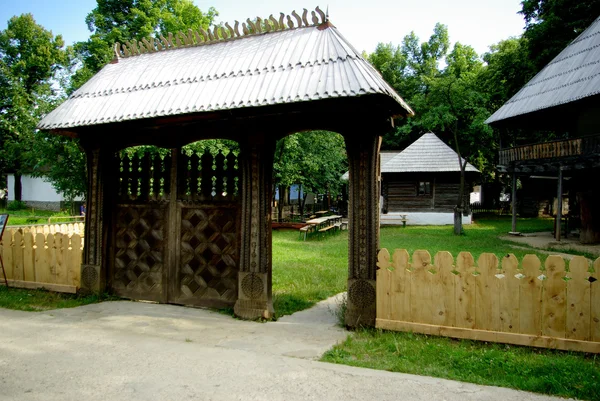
point(46, 256)
point(551, 305)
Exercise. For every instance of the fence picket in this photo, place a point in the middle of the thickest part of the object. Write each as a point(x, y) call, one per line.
point(487, 304)
point(400, 288)
point(18, 257)
point(442, 284)
point(75, 256)
point(420, 288)
point(530, 296)
point(383, 284)
point(554, 297)
point(509, 295)
point(578, 300)
point(61, 270)
point(465, 290)
point(595, 301)
point(8, 245)
point(40, 260)
point(50, 252)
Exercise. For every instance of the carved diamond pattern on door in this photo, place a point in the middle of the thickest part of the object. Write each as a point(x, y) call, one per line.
point(209, 254)
point(139, 252)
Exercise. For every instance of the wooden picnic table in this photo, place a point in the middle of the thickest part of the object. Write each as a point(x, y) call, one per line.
point(322, 224)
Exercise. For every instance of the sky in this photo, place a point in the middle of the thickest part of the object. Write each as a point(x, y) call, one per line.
point(364, 23)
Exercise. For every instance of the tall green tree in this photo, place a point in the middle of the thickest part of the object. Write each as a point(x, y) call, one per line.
point(314, 160)
point(448, 100)
point(550, 25)
point(125, 20)
point(30, 59)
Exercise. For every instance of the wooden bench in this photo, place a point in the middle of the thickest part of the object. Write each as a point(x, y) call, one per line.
point(324, 230)
point(306, 230)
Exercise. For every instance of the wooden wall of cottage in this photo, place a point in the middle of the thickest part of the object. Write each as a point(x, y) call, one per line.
point(406, 191)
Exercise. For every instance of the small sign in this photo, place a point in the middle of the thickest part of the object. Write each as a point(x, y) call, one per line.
point(3, 220)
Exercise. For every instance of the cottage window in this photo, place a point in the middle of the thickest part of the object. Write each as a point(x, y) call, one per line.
point(424, 188)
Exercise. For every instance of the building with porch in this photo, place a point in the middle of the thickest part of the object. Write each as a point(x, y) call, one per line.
point(563, 97)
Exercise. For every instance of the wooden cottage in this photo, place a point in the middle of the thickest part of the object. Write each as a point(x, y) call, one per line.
point(422, 182)
point(563, 97)
point(196, 229)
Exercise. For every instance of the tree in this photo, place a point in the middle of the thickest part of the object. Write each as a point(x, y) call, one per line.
point(30, 59)
point(314, 160)
point(125, 20)
point(550, 25)
point(448, 101)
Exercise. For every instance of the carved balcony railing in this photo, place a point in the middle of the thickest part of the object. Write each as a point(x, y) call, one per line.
point(584, 146)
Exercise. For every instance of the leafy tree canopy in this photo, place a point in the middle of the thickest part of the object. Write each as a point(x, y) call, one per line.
point(550, 25)
point(31, 58)
point(125, 20)
point(314, 159)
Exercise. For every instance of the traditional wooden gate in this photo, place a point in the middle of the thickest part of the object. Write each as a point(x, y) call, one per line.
point(181, 201)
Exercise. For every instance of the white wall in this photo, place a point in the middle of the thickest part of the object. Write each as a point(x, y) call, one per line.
point(422, 218)
point(34, 189)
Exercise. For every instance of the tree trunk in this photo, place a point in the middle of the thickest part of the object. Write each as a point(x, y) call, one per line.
point(280, 203)
point(458, 210)
point(18, 189)
point(458, 220)
point(300, 203)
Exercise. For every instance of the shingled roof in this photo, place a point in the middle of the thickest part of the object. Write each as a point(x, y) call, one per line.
point(572, 75)
point(425, 155)
point(294, 61)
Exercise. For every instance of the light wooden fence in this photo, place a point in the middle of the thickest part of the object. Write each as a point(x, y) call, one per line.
point(63, 228)
point(527, 303)
point(34, 259)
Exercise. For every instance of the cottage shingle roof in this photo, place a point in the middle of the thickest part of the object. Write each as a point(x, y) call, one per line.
point(299, 64)
point(572, 75)
point(427, 154)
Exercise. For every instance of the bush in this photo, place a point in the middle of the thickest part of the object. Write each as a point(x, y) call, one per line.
point(16, 205)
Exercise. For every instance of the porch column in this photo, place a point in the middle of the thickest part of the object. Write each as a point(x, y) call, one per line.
point(254, 278)
point(94, 264)
point(514, 203)
point(557, 227)
point(363, 224)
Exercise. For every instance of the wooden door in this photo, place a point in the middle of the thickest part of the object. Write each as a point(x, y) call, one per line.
point(140, 221)
point(176, 229)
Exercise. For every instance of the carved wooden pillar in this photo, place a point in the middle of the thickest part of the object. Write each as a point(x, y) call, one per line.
point(254, 279)
point(94, 265)
point(363, 223)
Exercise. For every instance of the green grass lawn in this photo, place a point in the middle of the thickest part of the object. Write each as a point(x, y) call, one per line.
point(27, 216)
point(565, 374)
point(40, 300)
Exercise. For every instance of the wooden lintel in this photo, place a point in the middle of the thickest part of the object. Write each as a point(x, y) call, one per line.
point(492, 336)
point(31, 285)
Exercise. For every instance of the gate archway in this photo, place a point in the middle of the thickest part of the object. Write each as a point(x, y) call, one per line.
point(278, 77)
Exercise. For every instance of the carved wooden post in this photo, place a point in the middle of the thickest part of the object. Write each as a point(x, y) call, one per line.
point(363, 159)
point(254, 279)
point(93, 268)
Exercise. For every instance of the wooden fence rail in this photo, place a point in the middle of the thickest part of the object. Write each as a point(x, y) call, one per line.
point(51, 261)
point(505, 301)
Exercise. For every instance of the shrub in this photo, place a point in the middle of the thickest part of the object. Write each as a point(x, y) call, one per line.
point(16, 205)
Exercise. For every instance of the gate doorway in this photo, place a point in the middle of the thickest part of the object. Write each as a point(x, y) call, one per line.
point(175, 236)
